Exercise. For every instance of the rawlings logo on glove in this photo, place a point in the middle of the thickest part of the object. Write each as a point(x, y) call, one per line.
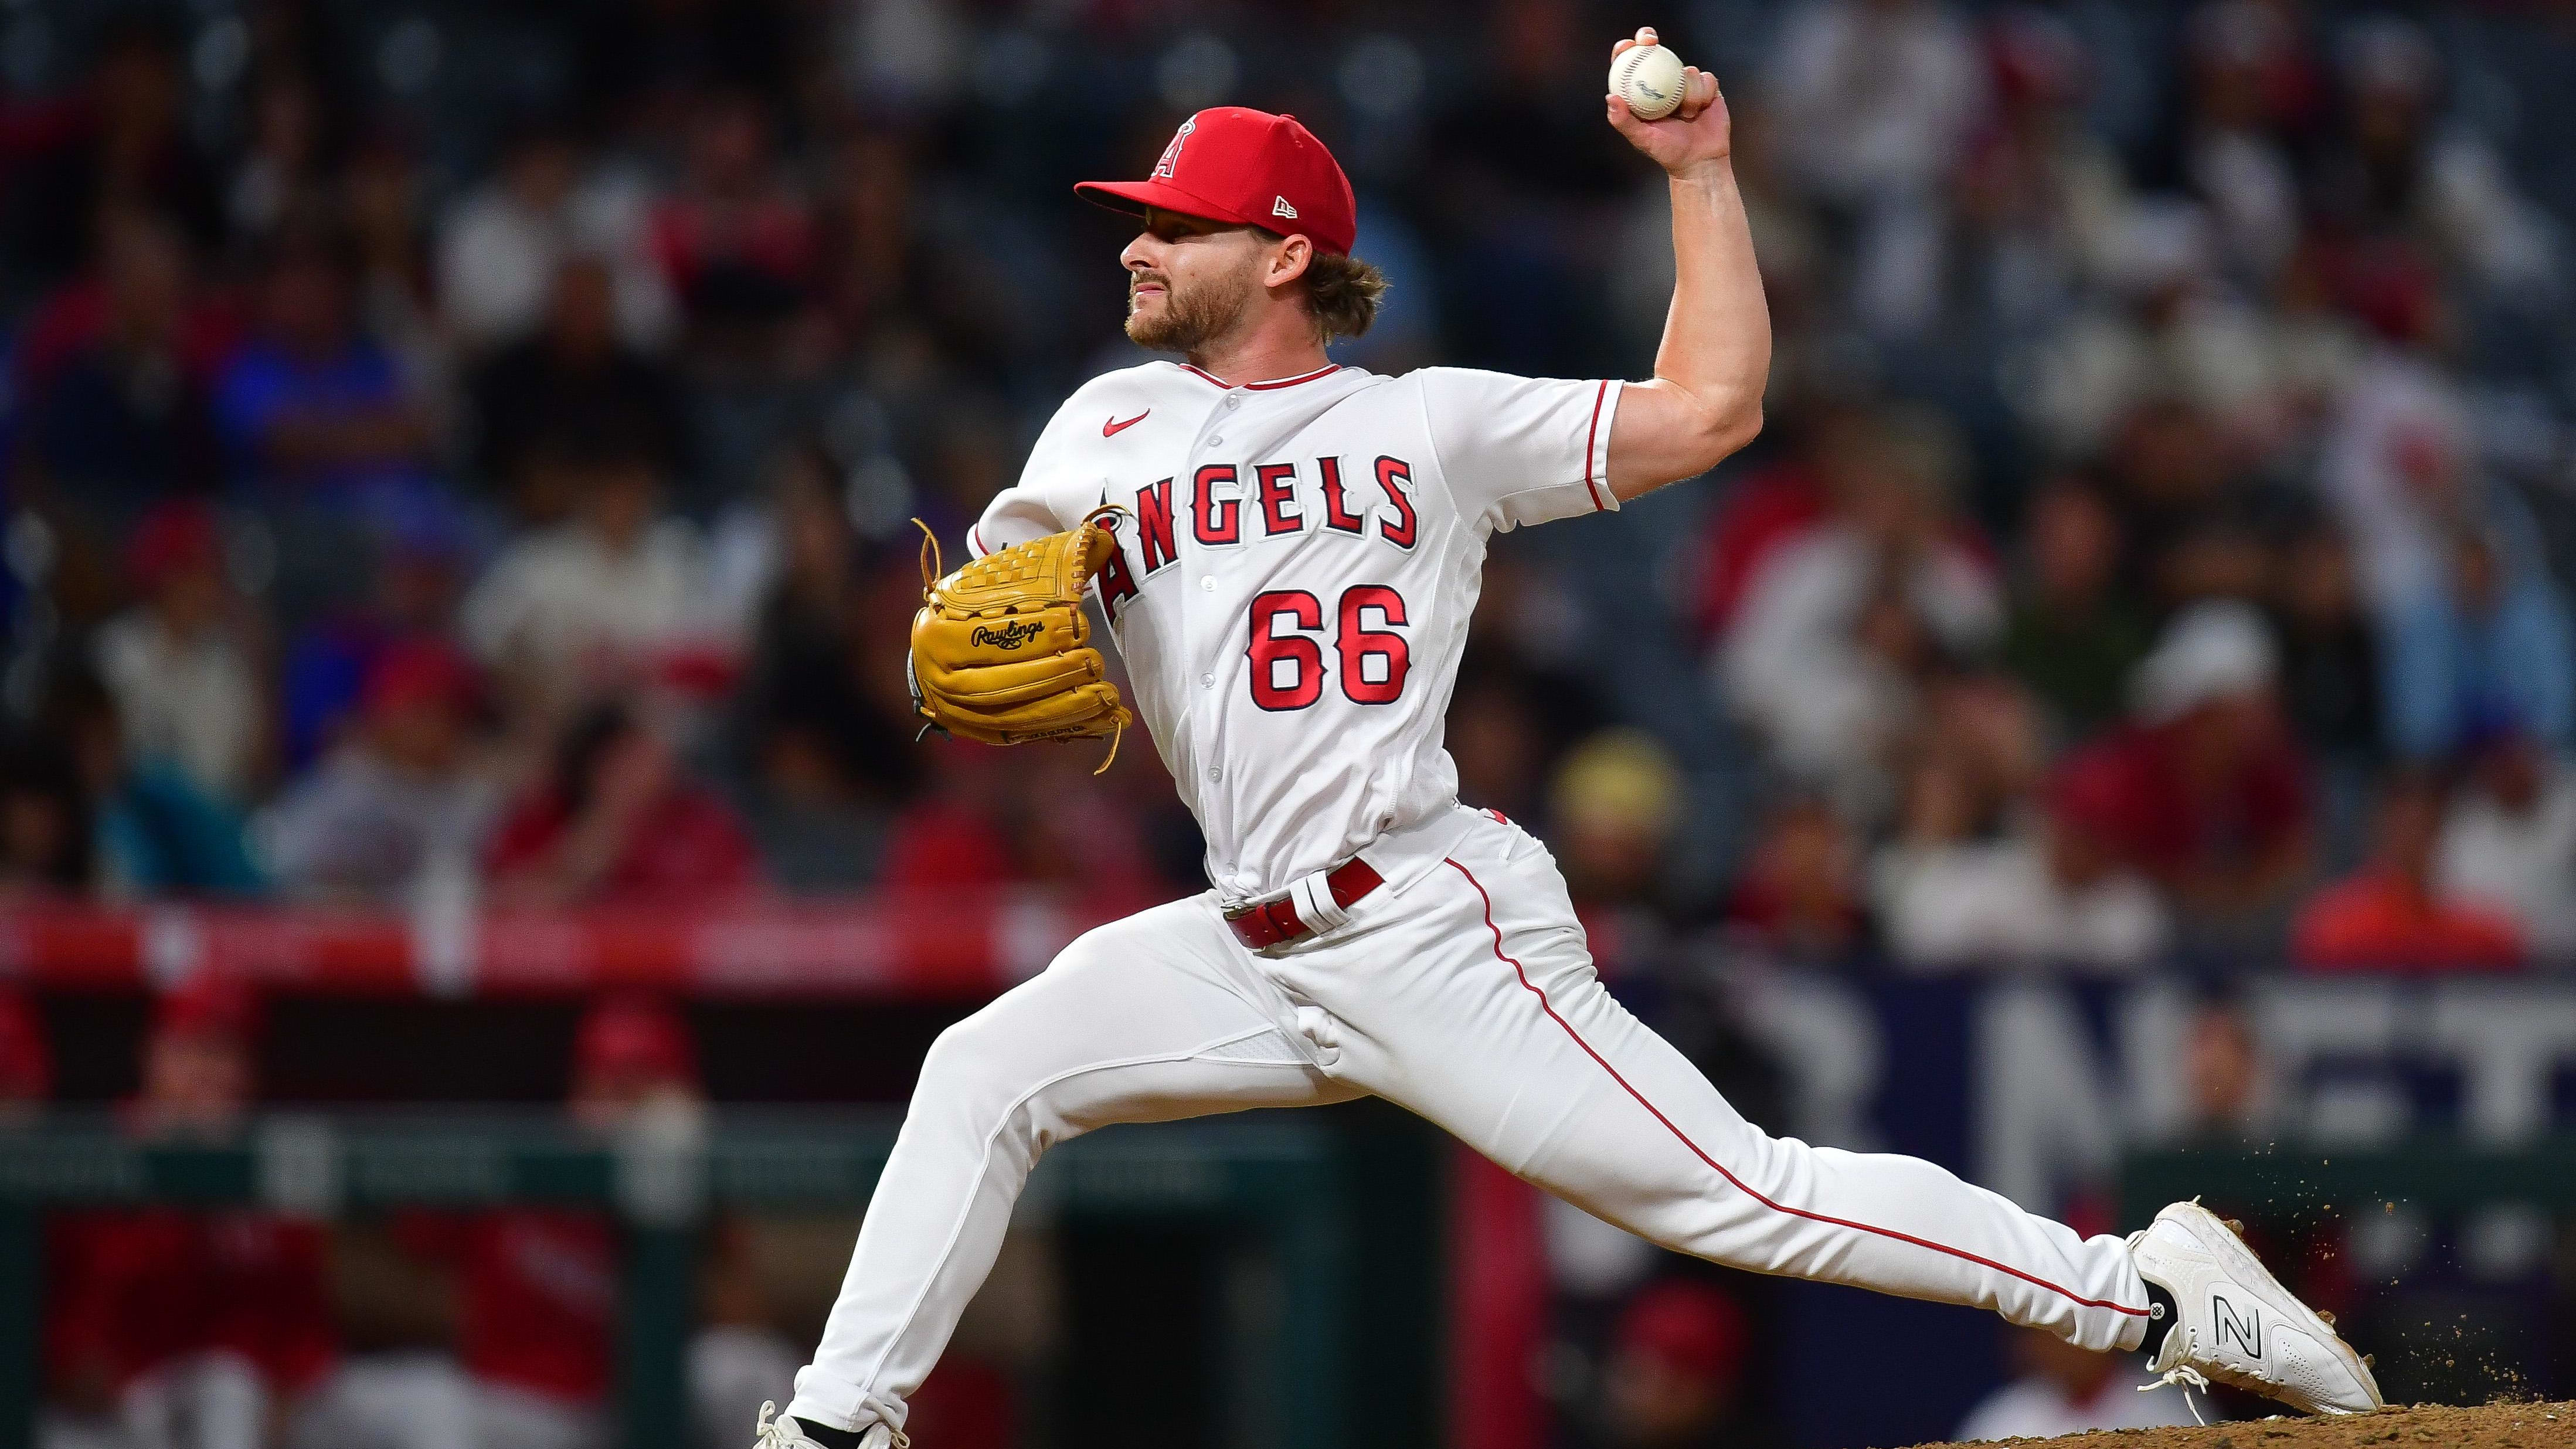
point(1009, 636)
point(974, 672)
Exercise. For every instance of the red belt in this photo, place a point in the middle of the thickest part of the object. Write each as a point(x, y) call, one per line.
point(1272, 923)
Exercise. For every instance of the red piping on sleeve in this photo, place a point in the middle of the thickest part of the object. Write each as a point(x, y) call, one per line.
point(1960, 1253)
point(1590, 442)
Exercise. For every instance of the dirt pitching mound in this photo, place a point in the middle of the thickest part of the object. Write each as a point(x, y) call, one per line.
point(2426, 1426)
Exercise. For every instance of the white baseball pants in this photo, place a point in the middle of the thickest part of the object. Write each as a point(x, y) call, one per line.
point(1463, 991)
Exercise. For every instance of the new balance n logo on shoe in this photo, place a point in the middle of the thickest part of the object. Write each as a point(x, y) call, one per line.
point(2247, 1331)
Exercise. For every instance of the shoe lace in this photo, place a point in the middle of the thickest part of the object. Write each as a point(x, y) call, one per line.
point(2186, 1378)
point(2183, 1375)
point(771, 1431)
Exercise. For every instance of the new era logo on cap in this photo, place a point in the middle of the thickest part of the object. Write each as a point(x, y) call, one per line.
point(1232, 163)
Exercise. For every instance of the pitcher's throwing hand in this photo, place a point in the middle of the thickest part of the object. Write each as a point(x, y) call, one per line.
point(1698, 129)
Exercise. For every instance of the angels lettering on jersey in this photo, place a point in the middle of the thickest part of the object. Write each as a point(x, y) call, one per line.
point(1219, 494)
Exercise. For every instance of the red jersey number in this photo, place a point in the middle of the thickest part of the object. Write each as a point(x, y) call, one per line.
point(1374, 657)
point(1288, 666)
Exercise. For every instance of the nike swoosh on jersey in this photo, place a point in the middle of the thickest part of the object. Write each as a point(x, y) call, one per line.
point(1113, 427)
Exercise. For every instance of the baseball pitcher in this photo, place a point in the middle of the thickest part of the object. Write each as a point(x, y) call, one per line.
point(1287, 552)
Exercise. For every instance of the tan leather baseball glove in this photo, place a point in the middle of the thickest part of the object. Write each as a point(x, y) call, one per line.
point(998, 647)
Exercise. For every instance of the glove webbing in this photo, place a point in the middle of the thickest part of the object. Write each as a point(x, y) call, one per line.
point(934, 568)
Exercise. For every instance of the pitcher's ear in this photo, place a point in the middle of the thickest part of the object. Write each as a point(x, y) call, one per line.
point(1296, 254)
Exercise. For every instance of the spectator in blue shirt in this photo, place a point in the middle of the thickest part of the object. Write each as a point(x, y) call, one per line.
point(154, 832)
point(121, 421)
point(419, 559)
point(2494, 644)
point(314, 410)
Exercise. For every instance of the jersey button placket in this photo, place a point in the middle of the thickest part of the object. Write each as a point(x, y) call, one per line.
point(1207, 628)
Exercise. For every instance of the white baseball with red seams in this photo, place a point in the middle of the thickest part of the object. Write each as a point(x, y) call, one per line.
point(1291, 596)
point(1649, 78)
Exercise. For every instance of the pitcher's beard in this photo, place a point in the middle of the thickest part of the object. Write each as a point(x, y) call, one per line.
point(1189, 320)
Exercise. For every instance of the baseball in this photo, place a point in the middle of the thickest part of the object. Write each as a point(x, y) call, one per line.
point(1649, 79)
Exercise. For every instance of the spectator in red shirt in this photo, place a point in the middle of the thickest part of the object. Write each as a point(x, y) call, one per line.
point(536, 1288)
point(737, 239)
point(1040, 821)
point(2204, 791)
point(1676, 1367)
point(26, 1062)
point(2388, 916)
point(619, 822)
point(1776, 504)
point(536, 1313)
point(190, 1330)
point(1800, 891)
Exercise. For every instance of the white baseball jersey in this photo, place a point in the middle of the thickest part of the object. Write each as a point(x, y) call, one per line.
point(1291, 593)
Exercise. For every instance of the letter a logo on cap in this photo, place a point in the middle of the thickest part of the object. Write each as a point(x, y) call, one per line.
point(1279, 207)
point(1172, 153)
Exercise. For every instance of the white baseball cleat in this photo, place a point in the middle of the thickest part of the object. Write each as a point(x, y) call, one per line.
point(2237, 1325)
point(779, 1431)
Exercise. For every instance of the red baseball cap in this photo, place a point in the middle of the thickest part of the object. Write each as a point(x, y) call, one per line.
point(209, 1004)
point(175, 537)
point(1232, 163)
point(417, 672)
point(636, 1034)
point(26, 1063)
point(1688, 1327)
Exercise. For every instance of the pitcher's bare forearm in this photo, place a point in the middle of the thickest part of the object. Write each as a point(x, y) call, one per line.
point(1705, 400)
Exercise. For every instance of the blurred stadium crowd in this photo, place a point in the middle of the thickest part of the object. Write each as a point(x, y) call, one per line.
point(473, 454)
point(2152, 545)
point(465, 453)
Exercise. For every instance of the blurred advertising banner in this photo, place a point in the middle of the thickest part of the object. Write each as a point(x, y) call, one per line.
point(2049, 1090)
point(930, 944)
point(2037, 1088)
